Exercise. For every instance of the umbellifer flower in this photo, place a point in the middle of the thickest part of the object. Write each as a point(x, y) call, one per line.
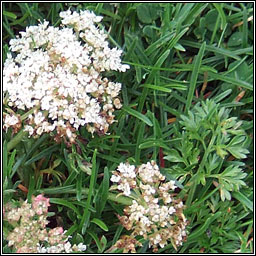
point(56, 74)
point(156, 214)
point(30, 234)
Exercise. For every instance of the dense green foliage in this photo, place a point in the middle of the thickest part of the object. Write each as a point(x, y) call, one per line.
point(189, 85)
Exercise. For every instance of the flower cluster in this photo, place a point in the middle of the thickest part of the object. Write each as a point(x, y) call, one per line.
point(155, 214)
point(55, 75)
point(30, 234)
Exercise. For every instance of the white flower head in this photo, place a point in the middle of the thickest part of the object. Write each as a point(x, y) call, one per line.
point(155, 213)
point(58, 72)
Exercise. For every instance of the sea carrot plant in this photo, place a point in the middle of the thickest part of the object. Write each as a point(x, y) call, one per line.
point(127, 127)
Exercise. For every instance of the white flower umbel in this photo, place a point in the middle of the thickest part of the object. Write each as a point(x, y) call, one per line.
point(156, 214)
point(125, 177)
point(58, 72)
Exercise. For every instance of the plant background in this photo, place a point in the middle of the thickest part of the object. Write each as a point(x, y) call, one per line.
point(180, 54)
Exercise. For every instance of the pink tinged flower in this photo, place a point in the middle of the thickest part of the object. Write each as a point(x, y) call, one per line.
point(40, 204)
point(56, 231)
point(23, 249)
point(59, 230)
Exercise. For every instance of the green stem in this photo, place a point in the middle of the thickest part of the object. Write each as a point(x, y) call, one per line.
point(207, 152)
point(200, 169)
point(111, 196)
point(31, 111)
point(121, 199)
point(16, 140)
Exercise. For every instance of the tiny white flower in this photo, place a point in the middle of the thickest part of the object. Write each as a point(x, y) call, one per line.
point(81, 247)
point(179, 205)
point(171, 210)
point(115, 178)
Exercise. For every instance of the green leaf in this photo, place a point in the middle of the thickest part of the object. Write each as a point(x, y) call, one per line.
point(220, 151)
point(153, 143)
point(100, 223)
point(44, 153)
point(174, 156)
point(219, 8)
point(103, 192)
point(35, 146)
point(194, 76)
point(231, 80)
point(235, 39)
point(224, 194)
point(79, 186)
point(221, 51)
point(77, 239)
point(200, 230)
point(10, 15)
point(65, 203)
point(147, 12)
point(234, 147)
point(236, 140)
point(31, 187)
point(104, 242)
point(137, 115)
point(86, 215)
point(222, 96)
point(96, 239)
point(160, 42)
point(57, 190)
point(5, 160)
point(71, 230)
point(156, 87)
point(243, 199)
point(117, 234)
point(179, 47)
point(210, 19)
point(238, 152)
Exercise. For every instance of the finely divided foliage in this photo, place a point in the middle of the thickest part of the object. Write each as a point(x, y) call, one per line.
point(127, 127)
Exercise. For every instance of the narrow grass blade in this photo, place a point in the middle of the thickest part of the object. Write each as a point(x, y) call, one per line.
point(243, 199)
point(79, 186)
point(137, 115)
point(11, 162)
point(85, 219)
point(44, 153)
point(103, 192)
point(194, 76)
point(139, 140)
point(219, 8)
point(36, 145)
point(221, 51)
point(156, 87)
point(10, 15)
point(153, 143)
point(5, 160)
point(162, 40)
point(96, 239)
point(100, 223)
point(65, 203)
point(223, 95)
point(231, 80)
point(199, 231)
point(31, 187)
